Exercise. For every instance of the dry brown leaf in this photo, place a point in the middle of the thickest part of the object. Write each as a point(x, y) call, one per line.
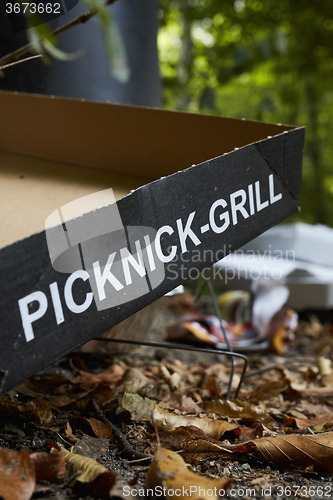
point(190, 439)
point(17, 475)
point(168, 421)
point(172, 379)
point(133, 381)
point(103, 394)
point(311, 409)
point(69, 433)
point(259, 431)
point(267, 390)
point(49, 466)
point(304, 423)
point(55, 395)
point(112, 375)
point(237, 409)
point(100, 429)
point(34, 408)
point(318, 392)
point(168, 470)
point(325, 371)
point(158, 390)
point(96, 478)
point(182, 402)
point(292, 450)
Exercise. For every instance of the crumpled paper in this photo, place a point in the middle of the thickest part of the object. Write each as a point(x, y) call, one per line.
point(254, 320)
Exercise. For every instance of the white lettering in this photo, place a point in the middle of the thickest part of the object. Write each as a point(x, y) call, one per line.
point(106, 276)
point(273, 197)
point(29, 318)
point(150, 254)
point(57, 306)
point(68, 293)
point(160, 254)
point(128, 258)
point(187, 232)
point(251, 199)
point(238, 207)
point(224, 216)
point(260, 205)
point(126, 491)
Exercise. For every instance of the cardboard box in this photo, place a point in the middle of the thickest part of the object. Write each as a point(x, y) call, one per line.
point(311, 243)
point(245, 177)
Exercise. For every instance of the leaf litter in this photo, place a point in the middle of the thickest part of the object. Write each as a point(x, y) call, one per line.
point(64, 432)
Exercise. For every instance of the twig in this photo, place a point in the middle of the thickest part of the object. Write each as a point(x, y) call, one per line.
point(126, 449)
point(20, 61)
point(276, 367)
point(16, 54)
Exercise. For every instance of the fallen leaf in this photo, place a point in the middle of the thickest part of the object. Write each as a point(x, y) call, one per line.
point(248, 433)
point(17, 475)
point(318, 392)
point(184, 403)
point(100, 429)
point(139, 408)
point(173, 379)
point(190, 439)
point(56, 396)
point(304, 423)
point(112, 375)
point(168, 470)
point(268, 390)
point(90, 446)
point(133, 381)
point(69, 433)
point(158, 390)
point(237, 409)
point(95, 477)
point(313, 409)
point(325, 370)
point(49, 466)
point(168, 421)
point(34, 408)
point(292, 450)
point(324, 365)
point(102, 394)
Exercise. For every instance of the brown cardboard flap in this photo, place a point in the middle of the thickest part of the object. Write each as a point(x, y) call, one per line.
point(31, 189)
point(133, 140)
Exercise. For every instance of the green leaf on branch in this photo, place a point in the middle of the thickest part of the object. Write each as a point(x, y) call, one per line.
point(113, 41)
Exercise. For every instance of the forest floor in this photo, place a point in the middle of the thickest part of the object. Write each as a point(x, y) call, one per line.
point(118, 411)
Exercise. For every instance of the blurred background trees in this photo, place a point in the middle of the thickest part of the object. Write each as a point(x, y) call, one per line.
point(261, 60)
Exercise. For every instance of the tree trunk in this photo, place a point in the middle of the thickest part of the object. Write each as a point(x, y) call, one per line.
point(184, 69)
point(314, 151)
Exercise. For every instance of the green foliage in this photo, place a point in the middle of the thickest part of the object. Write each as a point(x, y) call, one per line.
point(262, 60)
point(112, 40)
point(45, 42)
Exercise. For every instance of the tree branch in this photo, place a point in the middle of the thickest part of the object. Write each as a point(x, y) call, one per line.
point(83, 18)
